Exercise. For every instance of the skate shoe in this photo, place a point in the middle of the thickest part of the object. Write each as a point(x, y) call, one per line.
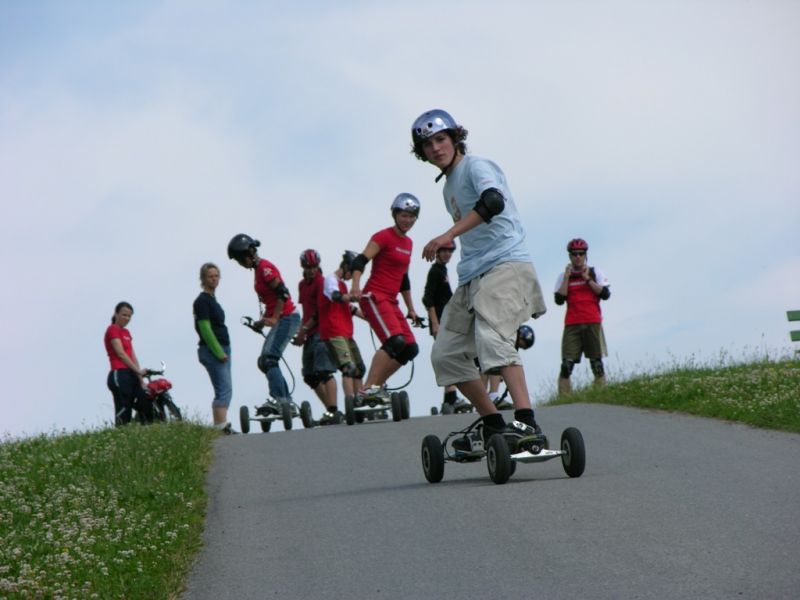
point(522, 438)
point(461, 405)
point(447, 408)
point(270, 407)
point(374, 394)
point(502, 404)
point(331, 418)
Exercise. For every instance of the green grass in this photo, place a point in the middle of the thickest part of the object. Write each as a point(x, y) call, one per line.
point(114, 513)
point(763, 393)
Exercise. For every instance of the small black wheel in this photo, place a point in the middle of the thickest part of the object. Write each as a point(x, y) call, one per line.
point(574, 457)
point(172, 409)
point(405, 404)
point(244, 419)
point(349, 410)
point(434, 411)
point(397, 408)
point(498, 459)
point(305, 414)
point(286, 415)
point(265, 425)
point(447, 408)
point(432, 459)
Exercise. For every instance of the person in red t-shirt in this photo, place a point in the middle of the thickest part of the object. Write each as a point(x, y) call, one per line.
point(278, 314)
point(336, 326)
point(125, 380)
point(318, 368)
point(390, 249)
point(581, 287)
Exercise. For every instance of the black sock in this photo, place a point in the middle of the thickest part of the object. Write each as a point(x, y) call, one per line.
point(333, 408)
point(450, 397)
point(494, 421)
point(525, 415)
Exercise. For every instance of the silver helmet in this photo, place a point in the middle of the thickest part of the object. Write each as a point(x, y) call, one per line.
point(430, 123)
point(406, 203)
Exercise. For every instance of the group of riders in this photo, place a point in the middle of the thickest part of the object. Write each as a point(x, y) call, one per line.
point(478, 328)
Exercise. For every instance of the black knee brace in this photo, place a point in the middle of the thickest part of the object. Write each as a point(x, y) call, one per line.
point(597, 367)
point(408, 353)
point(566, 368)
point(267, 363)
point(312, 381)
point(354, 371)
point(394, 346)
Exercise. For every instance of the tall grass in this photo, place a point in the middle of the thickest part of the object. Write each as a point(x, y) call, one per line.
point(765, 393)
point(115, 513)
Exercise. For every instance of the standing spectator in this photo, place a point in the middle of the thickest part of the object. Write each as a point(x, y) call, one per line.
point(391, 250)
point(126, 378)
point(497, 285)
point(336, 331)
point(278, 314)
point(581, 287)
point(214, 346)
point(436, 295)
point(318, 368)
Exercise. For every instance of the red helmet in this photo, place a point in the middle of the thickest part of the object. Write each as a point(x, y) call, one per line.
point(309, 258)
point(577, 244)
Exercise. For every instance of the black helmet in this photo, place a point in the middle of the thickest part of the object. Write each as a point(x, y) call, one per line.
point(347, 259)
point(240, 245)
point(525, 337)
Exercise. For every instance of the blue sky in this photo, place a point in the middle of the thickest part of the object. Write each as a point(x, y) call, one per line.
point(137, 138)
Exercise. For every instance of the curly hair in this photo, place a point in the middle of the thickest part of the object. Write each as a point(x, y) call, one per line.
point(457, 134)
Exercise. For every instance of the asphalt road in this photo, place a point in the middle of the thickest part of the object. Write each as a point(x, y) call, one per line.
point(669, 506)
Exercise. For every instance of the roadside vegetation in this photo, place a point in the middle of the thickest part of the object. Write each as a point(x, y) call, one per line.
point(118, 513)
point(113, 513)
point(762, 393)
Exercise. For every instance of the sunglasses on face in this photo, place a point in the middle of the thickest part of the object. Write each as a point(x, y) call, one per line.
point(577, 253)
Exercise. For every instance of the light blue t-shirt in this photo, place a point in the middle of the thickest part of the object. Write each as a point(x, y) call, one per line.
point(489, 244)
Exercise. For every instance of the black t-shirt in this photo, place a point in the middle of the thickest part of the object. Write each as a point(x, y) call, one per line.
point(207, 308)
point(437, 289)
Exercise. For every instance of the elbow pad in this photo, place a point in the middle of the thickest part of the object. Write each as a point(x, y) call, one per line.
point(405, 285)
point(281, 291)
point(490, 204)
point(560, 299)
point(359, 262)
point(605, 293)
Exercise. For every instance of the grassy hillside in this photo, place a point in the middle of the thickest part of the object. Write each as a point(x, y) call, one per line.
point(763, 394)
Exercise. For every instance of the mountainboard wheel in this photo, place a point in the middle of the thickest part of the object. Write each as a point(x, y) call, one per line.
point(305, 414)
point(432, 459)
point(349, 410)
point(498, 459)
point(244, 419)
point(265, 425)
point(405, 405)
point(434, 411)
point(286, 415)
point(397, 408)
point(574, 457)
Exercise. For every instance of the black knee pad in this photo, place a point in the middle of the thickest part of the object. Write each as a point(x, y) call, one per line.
point(323, 376)
point(408, 353)
point(394, 346)
point(311, 381)
point(597, 367)
point(354, 371)
point(566, 368)
point(266, 363)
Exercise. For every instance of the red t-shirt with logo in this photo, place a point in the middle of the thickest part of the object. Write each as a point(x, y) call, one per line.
point(335, 318)
point(265, 273)
point(307, 296)
point(115, 332)
point(390, 264)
